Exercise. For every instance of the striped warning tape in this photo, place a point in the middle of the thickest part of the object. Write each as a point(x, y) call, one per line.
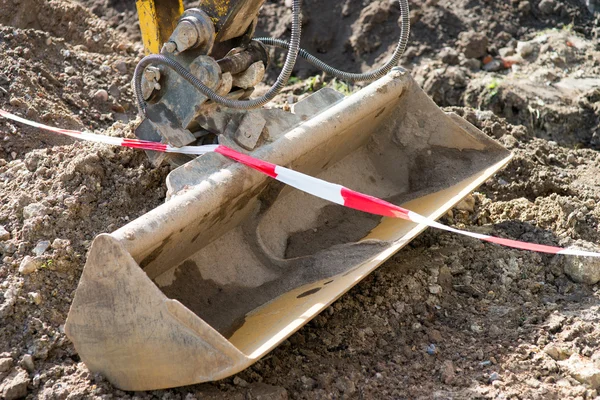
point(317, 187)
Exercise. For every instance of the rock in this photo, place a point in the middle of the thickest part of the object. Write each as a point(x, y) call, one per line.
point(467, 204)
point(534, 383)
point(41, 247)
point(563, 383)
point(15, 385)
point(494, 66)
point(70, 70)
point(506, 52)
point(60, 244)
point(114, 91)
point(547, 6)
point(308, 383)
point(449, 56)
point(4, 234)
point(17, 102)
point(557, 60)
point(498, 130)
point(555, 322)
point(592, 5)
point(557, 352)
point(399, 307)
point(504, 39)
point(435, 289)
point(596, 358)
point(10, 298)
point(345, 385)
point(494, 376)
point(262, 391)
point(495, 331)
point(5, 364)
point(435, 336)
point(34, 210)
point(104, 70)
point(524, 7)
point(121, 66)
point(29, 265)
point(27, 362)
point(36, 297)
point(448, 374)
point(479, 354)
point(431, 349)
point(525, 49)
point(473, 44)
point(475, 328)
point(583, 269)
point(237, 381)
point(583, 370)
point(445, 278)
point(101, 95)
point(472, 63)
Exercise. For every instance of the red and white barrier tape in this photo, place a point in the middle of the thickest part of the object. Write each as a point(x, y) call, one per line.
point(317, 187)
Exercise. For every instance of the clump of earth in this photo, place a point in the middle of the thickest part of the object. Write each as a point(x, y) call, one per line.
point(446, 317)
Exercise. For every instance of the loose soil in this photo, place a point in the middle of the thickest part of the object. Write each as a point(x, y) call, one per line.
point(446, 317)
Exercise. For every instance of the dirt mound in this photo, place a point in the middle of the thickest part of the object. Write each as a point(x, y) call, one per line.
point(448, 317)
point(66, 20)
point(553, 88)
point(355, 36)
point(52, 80)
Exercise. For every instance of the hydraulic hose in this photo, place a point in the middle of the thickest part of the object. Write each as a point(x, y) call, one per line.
point(349, 76)
point(282, 79)
point(293, 47)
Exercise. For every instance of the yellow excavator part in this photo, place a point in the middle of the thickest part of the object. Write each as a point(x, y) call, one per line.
point(234, 262)
point(158, 19)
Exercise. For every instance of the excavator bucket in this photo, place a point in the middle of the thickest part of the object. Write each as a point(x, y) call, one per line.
point(235, 262)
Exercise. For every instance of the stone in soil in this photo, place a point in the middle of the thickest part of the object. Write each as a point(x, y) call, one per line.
point(34, 210)
point(583, 370)
point(583, 269)
point(101, 95)
point(473, 44)
point(29, 265)
point(449, 56)
point(5, 364)
point(525, 49)
point(121, 66)
point(345, 385)
point(436, 336)
point(41, 247)
point(448, 374)
point(262, 391)
point(28, 363)
point(466, 204)
point(547, 6)
point(14, 385)
point(493, 66)
point(4, 234)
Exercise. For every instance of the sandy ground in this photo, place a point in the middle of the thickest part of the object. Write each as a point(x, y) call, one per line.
point(447, 317)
